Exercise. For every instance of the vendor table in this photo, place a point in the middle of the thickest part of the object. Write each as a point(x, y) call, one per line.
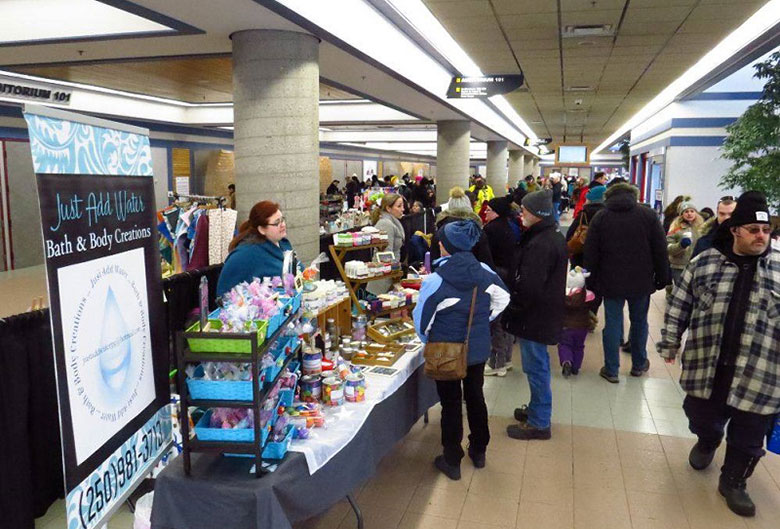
point(223, 493)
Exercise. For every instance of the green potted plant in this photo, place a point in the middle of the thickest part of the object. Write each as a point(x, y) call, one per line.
point(753, 143)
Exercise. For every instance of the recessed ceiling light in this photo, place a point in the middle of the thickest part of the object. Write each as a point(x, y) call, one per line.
point(586, 43)
point(579, 88)
point(537, 122)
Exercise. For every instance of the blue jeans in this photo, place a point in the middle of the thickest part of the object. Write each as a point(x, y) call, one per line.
point(613, 331)
point(536, 366)
point(557, 211)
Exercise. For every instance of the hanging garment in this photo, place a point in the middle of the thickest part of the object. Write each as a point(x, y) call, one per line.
point(222, 225)
point(199, 249)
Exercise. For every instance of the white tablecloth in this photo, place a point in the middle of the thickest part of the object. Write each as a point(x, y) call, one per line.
point(342, 423)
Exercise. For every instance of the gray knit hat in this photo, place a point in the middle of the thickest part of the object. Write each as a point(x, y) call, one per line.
point(458, 199)
point(687, 204)
point(539, 203)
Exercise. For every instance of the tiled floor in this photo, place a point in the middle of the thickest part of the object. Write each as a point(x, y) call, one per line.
point(617, 460)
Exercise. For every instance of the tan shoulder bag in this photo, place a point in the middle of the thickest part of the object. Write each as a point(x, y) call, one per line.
point(448, 360)
point(577, 242)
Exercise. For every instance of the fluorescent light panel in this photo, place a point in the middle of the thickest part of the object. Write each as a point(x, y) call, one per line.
point(763, 20)
point(396, 51)
point(418, 14)
point(25, 20)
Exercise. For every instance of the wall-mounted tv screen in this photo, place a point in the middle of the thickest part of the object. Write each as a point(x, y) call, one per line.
point(572, 154)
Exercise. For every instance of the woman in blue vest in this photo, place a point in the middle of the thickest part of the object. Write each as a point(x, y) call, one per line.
point(259, 249)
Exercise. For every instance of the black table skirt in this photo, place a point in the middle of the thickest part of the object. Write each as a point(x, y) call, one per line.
point(222, 493)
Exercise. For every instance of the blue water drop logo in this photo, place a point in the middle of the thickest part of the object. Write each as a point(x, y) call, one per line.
point(115, 360)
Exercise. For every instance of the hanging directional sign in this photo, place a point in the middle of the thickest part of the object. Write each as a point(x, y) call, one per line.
point(538, 141)
point(484, 86)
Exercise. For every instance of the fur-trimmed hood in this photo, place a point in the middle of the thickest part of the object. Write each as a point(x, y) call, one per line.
point(621, 197)
point(460, 214)
point(678, 224)
point(709, 225)
point(620, 188)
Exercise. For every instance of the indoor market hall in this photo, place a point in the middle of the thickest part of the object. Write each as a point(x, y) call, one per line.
point(389, 264)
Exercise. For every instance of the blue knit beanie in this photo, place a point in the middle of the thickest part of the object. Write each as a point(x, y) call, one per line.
point(596, 194)
point(460, 236)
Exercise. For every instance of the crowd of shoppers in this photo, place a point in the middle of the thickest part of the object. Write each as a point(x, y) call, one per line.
point(724, 290)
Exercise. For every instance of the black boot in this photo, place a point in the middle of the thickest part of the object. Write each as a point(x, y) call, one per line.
point(737, 468)
point(702, 455)
point(451, 471)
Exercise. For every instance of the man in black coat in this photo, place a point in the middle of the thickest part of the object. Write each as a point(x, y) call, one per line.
point(535, 313)
point(625, 253)
point(557, 191)
point(333, 188)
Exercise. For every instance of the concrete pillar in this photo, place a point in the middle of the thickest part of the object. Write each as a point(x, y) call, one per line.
point(276, 119)
point(537, 167)
point(453, 139)
point(496, 166)
point(516, 167)
point(528, 166)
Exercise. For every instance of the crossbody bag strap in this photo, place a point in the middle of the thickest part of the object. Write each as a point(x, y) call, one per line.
point(471, 314)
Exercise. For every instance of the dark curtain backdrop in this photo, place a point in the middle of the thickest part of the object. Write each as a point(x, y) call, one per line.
point(30, 453)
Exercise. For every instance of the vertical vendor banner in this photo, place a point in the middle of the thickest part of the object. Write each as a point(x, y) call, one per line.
point(103, 270)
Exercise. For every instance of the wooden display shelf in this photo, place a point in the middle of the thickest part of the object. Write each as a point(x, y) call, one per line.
point(344, 249)
point(340, 312)
point(338, 253)
point(360, 281)
point(385, 312)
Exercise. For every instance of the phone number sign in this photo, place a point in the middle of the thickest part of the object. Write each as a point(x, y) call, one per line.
point(88, 503)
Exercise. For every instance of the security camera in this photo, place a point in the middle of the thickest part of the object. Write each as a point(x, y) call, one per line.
point(578, 102)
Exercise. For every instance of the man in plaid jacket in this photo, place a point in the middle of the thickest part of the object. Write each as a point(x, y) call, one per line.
point(729, 300)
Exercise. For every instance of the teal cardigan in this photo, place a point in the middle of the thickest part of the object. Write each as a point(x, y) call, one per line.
point(250, 260)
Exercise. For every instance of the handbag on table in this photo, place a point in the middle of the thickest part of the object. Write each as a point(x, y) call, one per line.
point(448, 360)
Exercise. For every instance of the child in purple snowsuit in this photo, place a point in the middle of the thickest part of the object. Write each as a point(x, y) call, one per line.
point(576, 324)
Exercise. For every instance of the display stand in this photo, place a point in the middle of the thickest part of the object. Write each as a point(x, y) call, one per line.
point(340, 313)
point(339, 253)
point(259, 394)
point(331, 206)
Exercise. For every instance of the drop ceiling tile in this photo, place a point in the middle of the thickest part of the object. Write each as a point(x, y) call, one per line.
point(534, 45)
point(645, 58)
point(471, 8)
point(536, 55)
point(589, 42)
point(639, 41)
point(523, 7)
point(711, 27)
point(533, 21)
point(591, 17)
point(708, 2)
point(657, 14)
point(638, 27)
point(628, 54)
point(588, 5)
point(701, 41)
point(662, 3)
point(525, 34)
point(473, 24)
point(735, 10)
point(479, 40)
point(586, 52)
point(496, 53)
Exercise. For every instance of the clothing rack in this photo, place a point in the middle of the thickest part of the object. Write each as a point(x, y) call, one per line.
point(198, 198)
